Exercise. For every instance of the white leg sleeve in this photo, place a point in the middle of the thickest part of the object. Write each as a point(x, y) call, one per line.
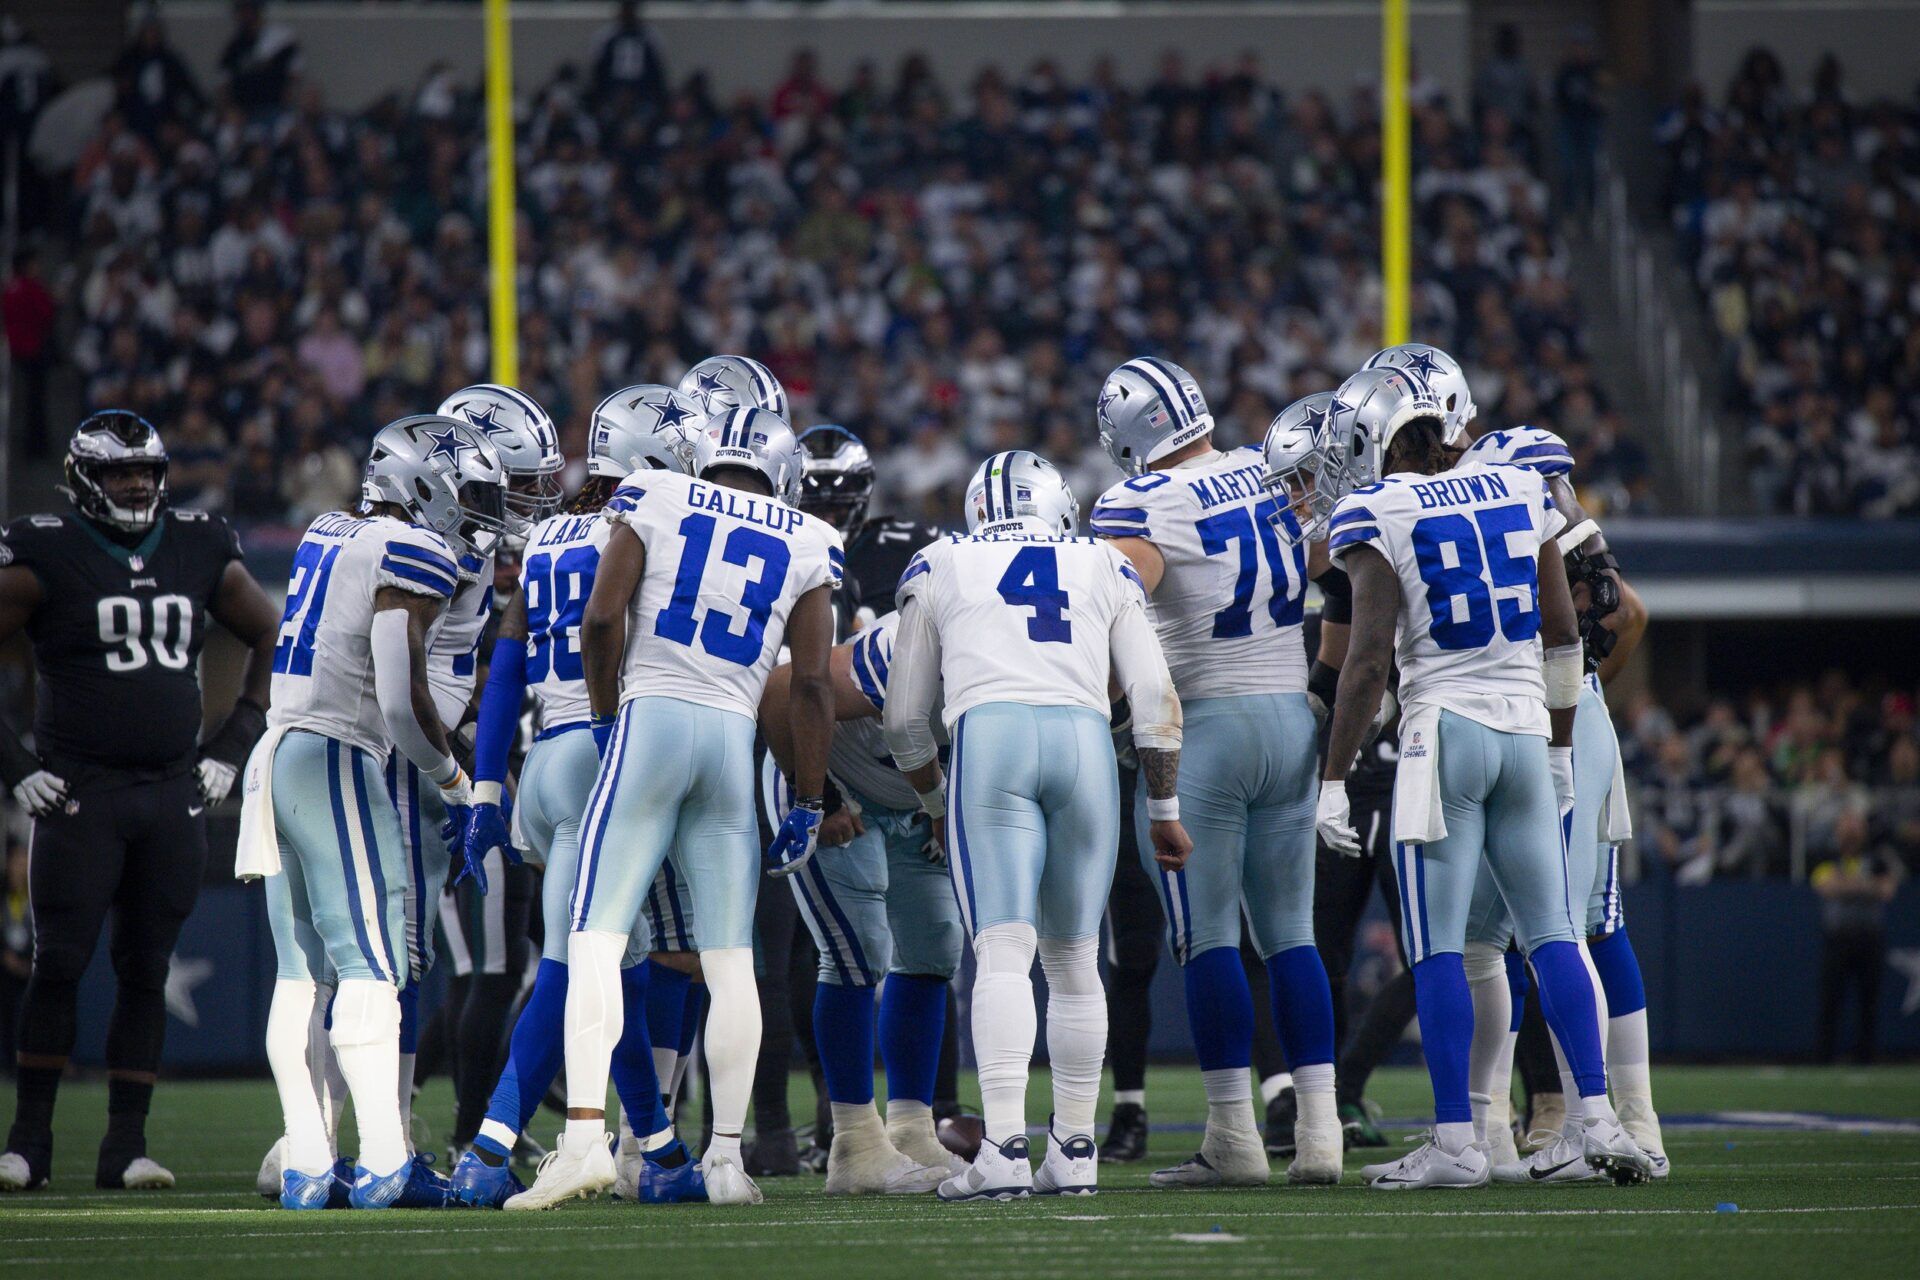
point(329, 1086)
point(1492, 1014)
point(366, 1035)
point(1004, 1025)
point(1076, 1029)
point(1599, 997)
point(595, 1014)
point(406, 1098)
point(288, 1020)
point(732, 1041)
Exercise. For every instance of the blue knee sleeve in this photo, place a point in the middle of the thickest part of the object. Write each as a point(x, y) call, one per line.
point(696, 1004)
point(409, 1017)
point(666, 1004)
point(533, 1054)
point(1302, 1005)
point(913, 1022)
point(1619, 974)
point(1219, 1009)
point(1446, 1032)
point(1566, 997)
point(843, 1031)
point(632, 1067)
point(1516, 987)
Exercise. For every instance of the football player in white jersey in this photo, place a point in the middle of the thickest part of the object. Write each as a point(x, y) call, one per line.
point(638, 428)
point(880, 906)
point(699, 583)
point(350, 685)
point(1598, 822)
point(1023, 628)
point(1462, 566)
point(1227, 595)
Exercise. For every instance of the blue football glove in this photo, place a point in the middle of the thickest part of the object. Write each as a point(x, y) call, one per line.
point(455, 832)
point(491, 826)
point(602, 728)
point(793, 846)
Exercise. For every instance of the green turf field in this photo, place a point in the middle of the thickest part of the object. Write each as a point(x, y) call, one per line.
point(1839, 1201)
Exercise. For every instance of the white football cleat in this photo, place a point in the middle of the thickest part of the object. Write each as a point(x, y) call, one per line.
point(627, 1162)
point(1612, 1150)
point(727, 1182)
point(1319, 1148)
point(919, 1143)
point(1071, 1168)
point(1501, 1148)
point(1427, 1167)
point(143, 1174)
point(1227, 1158)
point(1561, 1163)
point(861, 1162)
point(999, 1172)
point(572, 1170)
point(1661, 1166)
point(1548, 1119)
point(267, 1181)
point(14, 1173)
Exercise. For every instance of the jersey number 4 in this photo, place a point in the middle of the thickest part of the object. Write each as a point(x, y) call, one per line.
point(1032, 581)
point(1461, 579)
point(715, 631)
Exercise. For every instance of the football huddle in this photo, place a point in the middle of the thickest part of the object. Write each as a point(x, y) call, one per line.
point(946, 766)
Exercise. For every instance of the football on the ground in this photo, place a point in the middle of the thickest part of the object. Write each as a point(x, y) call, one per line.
point(962, 1135)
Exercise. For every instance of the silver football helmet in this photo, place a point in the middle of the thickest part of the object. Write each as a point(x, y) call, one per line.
point(1021, 491)
point(647, 426)
point(1298, 455)
point(446, 475)
point(1148, 408)
point(760, 441)
point(109, 441)
point(523, 435)
point(1443, 374)
point(1367, 411)
point(720, 383)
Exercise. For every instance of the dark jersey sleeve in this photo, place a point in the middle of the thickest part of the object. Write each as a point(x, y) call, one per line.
point(878, 553)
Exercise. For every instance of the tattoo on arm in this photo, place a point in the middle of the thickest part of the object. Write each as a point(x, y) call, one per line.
point(1160, 767)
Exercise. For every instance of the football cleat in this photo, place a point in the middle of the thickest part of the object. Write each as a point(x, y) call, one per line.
point(17, 1173)
point(1227, 1158)
point(1661, 1166)
point(573, 1170)
point(1318, 1152)
point(917, 1140)
point(773, 1154)
point(727, 1182)
point(862, 1162)
point(138, 1174)
point(479, 1185)
point(379, 1190)
point(658, 1183)
point(267, 1181)
point(1356, 1122)
point(1281, 1116)
point(306, 1190)
point(426, 1188)
point(341, 1194)
point(1002, 1171)
point(1427, 1167)
point(1611, 1149)
point(1546, 1116)
point(1558, 1164)
point(1126, 1141)
point(1071, 1168)
point(1500, 1147)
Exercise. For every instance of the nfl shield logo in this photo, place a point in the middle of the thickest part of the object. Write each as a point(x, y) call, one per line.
point(136, 563)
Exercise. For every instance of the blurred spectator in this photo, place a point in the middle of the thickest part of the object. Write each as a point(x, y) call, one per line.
point(1855, 885)
point(152, 85)
point(1504, 82)
point(1579, 117)
point(260, 60)
point(26, 80)
point(16, 948)
point(28, 310)
point(626, 66)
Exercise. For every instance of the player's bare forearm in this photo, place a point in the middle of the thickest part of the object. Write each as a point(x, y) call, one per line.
point(241, 607)
point(776, 724)
point(1369, 656)
point(810, 702)
point(513, 618)
point(1147, 560)
point(1160, 768)
point(603, 624)
point(20, 595)
point(1559, 627)
point(1628, 624)
point(924, 778)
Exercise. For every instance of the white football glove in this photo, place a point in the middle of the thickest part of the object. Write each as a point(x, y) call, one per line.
point(215, 778)
point(1332, 820)
point(1560, 762)
point(40, 793)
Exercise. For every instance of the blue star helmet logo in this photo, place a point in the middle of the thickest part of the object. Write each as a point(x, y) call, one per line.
point(1422, 363)
point(672, 414)
point(1336, 407)
point(1107, 400)
point(486, 419)
point(447, 444)
point(1315, 420)
point(707, 386)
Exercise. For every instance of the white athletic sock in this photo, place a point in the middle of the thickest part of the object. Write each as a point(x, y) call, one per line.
point(1486, 970)
point(1309, 1080)
point(594, 1018)
point(1076, 1029)
point(1599, 1000)
point(1004, 1024)
point(406, 1099)
point(908, 1111)
point(858, 1122)
point(1453, 1137)
point(329, 1086)
point(1632, 1079)
point(1569, 1087)
point(1274, 1085)
point(366, 1035)
point(732, 1039)
point(494, 1131)
point(1138, 1097)
point(288, 1019)
point(1229, 1100)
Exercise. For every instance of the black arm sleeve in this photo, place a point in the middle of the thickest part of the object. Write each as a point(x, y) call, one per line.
point(16, 762)
point(1338, 591)
point(233, 741)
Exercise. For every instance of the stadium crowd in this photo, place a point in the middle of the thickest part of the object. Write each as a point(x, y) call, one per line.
point(1800, 216)
point(944, 269)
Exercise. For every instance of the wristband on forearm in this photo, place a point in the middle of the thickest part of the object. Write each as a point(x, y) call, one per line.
point(1323, 682)
point(233, 741)
point(1167, 810)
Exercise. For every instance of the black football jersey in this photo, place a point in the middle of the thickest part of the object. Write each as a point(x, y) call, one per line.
point(877, 554)
point(117, 639)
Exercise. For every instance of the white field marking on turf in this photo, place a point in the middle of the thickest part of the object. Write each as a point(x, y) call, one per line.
point(1208, 1237)
point(694, 1218)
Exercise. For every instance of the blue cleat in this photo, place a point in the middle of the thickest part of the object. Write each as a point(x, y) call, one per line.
point(479, 1185)
point(425, 1189)
point(378, 1191)
point(341, 1191)
point(679, 1185)
point(305, 1190)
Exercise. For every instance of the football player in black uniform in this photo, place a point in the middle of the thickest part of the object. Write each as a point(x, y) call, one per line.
point(115, 595)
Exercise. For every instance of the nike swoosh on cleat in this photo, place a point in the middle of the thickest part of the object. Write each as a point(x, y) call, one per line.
point(1539, 1175)
point(194, 811)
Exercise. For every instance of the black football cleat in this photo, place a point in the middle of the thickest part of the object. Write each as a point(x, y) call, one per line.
point(1280, 1116)
point(1126, 1135)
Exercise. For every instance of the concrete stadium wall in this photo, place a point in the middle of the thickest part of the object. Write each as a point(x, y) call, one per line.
point(359, 52)
point(1877, 41)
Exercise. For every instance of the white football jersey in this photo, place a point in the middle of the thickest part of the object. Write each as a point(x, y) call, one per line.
point(556, 577)
point(323, 664)
point(1466, 545)
point(1528, 447)
point(860, 758)
point(723, 571)
point(1228, 607)
point(453, 646)
point(1023, 617)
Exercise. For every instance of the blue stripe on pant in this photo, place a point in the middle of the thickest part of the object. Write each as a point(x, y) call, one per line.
point(877, 906)
point(1247, 796)
point(428, 860)
point(1034, 821)
point(555, 783)
point(339, 900)
point(1497, 793)
point(676, 774)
